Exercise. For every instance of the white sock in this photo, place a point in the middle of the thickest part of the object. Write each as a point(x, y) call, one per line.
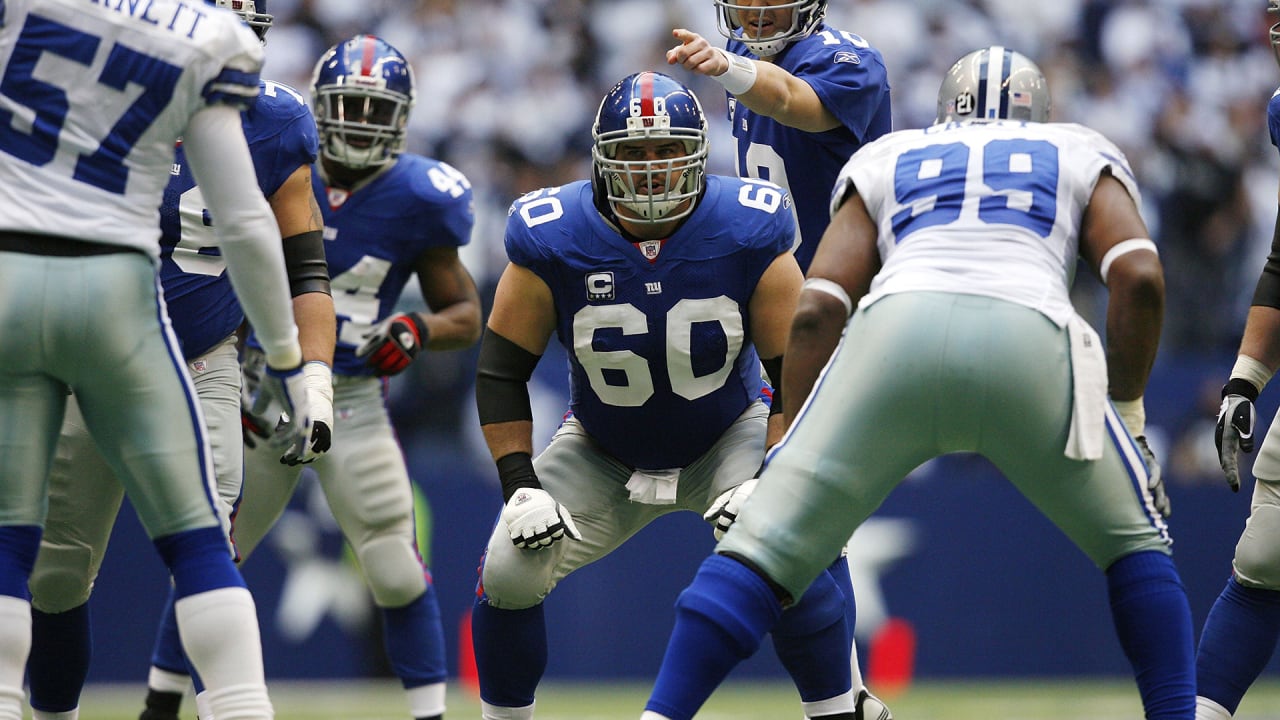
point(219, 631)
point(842, 703)
point(1207, 709)
point(425, 700)
point(203, 711)
point(494, 712)
point(165, 681)
point(651, 715)
point(68, 715)
point(15, 645)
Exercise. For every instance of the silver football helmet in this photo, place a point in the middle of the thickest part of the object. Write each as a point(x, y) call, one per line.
point(735, 15)
point(994, 83)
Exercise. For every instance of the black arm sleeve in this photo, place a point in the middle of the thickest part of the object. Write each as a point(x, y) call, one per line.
point(305, 263)
point(773, 368)
point(1268, 292)
point(502, 380)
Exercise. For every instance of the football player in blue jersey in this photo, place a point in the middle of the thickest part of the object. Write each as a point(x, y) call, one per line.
point(667, 286)
point(1240, 632)
point(96, 96)
point(84, 496)
point(803, 97)
point(936, 318)
point(388, 215)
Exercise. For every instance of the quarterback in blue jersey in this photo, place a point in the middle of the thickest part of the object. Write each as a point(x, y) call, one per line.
point(205, 314)
point(803, 97)
point(667, 286)
point(388, 215)
point(1240, 632)
point(80, 192)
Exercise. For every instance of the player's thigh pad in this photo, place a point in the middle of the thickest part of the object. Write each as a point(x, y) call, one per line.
point(216, 376)
point(1257, 559)
point(84, 498)
point(1267, 464)
point(370, 494)
point(1022, 419)
point(592, 487)
point(870, 420)
point(130, 380)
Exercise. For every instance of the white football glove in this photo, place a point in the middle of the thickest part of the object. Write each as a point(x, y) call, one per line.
point(319, 382)
point(535, 520)
point(724, 511)
point(288, 390)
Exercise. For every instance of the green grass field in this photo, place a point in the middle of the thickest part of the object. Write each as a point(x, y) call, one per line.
point(1028, 700)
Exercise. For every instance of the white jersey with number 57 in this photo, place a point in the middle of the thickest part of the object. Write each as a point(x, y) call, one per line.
point(1021, 188)
point(93, 95)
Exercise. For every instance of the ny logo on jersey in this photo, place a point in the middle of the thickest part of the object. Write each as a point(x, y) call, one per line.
point(600, 287)
point(653, 288)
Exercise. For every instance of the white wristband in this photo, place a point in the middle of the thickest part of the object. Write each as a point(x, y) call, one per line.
point(740, 76)
point(318, 378)
point(1123, 248)
point(1247, 368)
point(833, 289)
point(1134, 415)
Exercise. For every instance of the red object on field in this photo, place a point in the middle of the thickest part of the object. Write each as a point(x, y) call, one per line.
point(892, 656)
point(468, 677)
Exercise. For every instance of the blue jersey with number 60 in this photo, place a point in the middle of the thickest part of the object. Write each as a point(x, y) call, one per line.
point(660, 352)
point(202, 305)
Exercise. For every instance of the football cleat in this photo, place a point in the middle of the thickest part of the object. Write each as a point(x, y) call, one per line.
point(870, 707)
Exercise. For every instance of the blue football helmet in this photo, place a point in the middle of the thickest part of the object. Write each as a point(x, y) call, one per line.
point(254, 12)
point(735, 15)
point(361, 94)
point(994, 83)
point(649, 106)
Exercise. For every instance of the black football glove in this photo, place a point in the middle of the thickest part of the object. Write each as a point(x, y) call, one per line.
point(393, 343)
point(1234, 432)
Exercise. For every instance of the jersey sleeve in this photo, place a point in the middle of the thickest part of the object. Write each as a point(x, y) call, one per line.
point(851, 81)
point(522, 243)
point(451, 206)
point(1103, 156)
point(240, 55)
point(282, 136)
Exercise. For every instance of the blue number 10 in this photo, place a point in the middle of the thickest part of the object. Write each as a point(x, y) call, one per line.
point(1019, 185)
point(105, 168)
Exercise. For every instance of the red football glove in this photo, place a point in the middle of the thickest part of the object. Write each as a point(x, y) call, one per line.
point(393, 343)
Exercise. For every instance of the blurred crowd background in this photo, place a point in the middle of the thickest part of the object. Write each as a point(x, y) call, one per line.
point(507, 90)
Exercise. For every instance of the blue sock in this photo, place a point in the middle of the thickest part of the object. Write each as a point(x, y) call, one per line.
point(511, 652)
point(839, 571)
point(720, 620)
point(1237, 642)
point(414, 639)
point(19, 545)
point(1153, 621)
point(167, 653)
point(812, 641)
point(61, 649)
point(199, 561)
